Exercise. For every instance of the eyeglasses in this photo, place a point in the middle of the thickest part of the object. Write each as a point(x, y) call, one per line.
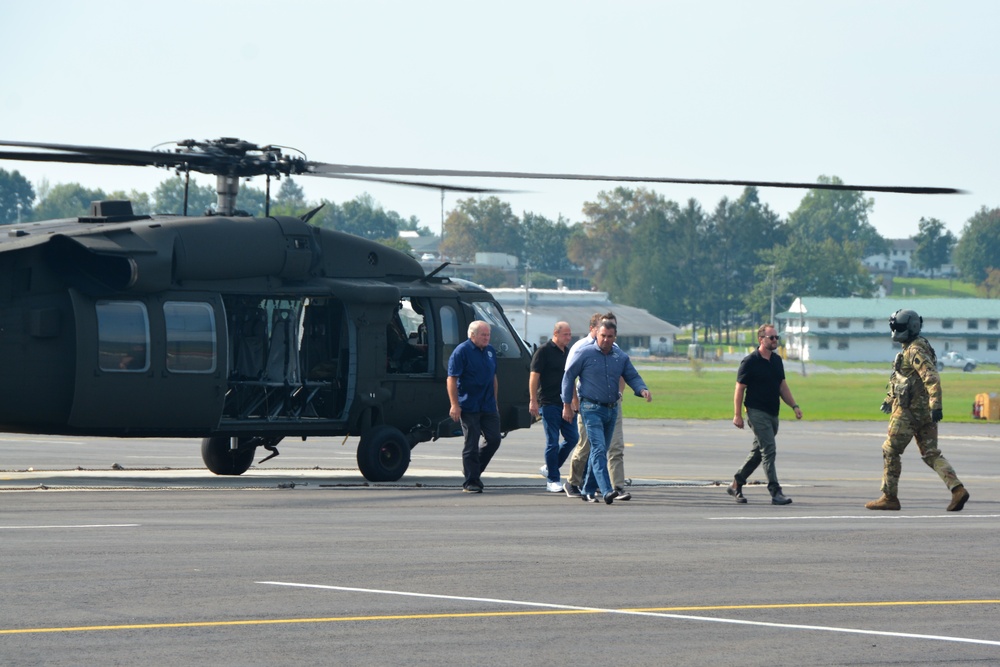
point(772, 337)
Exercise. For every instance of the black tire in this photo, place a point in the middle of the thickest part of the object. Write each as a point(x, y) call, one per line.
point(968, 368)
point(940, 366)
point(222, 460)
point(383, 454)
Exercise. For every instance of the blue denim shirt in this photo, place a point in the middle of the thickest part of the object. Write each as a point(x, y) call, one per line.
point(599, 374)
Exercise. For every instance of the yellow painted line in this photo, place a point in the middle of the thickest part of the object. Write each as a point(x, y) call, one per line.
point(489, 614)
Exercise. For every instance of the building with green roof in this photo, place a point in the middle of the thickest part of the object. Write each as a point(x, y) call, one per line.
point(855, 329)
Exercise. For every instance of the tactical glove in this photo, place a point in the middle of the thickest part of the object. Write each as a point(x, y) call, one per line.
point(886, 407)
point(937, 415)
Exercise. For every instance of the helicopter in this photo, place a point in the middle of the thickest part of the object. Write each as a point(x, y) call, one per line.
point(241, 330)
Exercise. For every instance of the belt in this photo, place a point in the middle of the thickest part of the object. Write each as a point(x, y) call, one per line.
point(609, 406)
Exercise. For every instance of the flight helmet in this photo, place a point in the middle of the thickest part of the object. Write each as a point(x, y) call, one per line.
point(905, 325)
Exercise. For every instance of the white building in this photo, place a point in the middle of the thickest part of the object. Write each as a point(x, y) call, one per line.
point(534, 312)
point(900, 261)
point(852, 329)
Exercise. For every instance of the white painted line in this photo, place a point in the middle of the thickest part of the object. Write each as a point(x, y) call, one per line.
point(84, 525)
point(684, 617)
point(876, 516)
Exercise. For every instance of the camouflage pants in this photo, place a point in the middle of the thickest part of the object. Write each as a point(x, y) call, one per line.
point(904, 426)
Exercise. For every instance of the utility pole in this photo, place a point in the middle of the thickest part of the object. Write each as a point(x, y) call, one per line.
point(772, 295)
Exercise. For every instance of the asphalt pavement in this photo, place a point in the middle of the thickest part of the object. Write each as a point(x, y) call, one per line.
point(127, 552)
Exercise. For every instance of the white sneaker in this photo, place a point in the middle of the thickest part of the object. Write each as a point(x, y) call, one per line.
point(544, 471)
point(554, 487)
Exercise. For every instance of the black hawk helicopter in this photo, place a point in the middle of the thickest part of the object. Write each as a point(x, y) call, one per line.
point(243, 330)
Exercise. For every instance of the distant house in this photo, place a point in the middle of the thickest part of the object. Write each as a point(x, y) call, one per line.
point(900, 262)
point(533, 313)
point(852, 329)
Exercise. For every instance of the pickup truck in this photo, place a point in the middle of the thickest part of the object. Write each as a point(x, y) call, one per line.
point(955, 359)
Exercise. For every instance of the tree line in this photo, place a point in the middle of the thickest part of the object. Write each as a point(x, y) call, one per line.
point(681, 262)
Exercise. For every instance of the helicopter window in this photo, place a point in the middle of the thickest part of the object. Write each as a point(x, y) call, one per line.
point(503, 340)
point(190, 337)
point(406, 337)
point(449, 326)
point(122, 336)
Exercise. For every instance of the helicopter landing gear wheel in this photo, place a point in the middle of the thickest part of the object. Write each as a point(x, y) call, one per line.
point(221, 459)
point(383, 454)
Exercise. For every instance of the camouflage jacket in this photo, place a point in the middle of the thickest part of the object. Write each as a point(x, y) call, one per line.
point(915, 383)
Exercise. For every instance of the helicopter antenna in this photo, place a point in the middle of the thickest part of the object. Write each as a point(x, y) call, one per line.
point(267, 196)
point(187, 185)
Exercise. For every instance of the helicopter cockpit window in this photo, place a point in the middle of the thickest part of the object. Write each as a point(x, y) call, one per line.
point(122, 336)
point(502, 337)
point(406, 337)
point(190, 337)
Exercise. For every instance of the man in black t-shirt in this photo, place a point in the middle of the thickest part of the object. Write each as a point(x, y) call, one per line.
point(760, 385)
point(544, 386)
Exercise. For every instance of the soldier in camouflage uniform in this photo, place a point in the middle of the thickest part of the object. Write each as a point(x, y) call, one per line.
point(914, 401)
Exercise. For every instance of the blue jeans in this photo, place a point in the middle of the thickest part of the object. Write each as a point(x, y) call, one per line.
point(600, 424)
point(556, 454)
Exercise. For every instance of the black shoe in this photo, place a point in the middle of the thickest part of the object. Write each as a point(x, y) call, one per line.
point(736, 491)
point(472, 488)
point(610, 496)
point(780, 499)
point(590, 499)
point(572, 490)
point(623, 494)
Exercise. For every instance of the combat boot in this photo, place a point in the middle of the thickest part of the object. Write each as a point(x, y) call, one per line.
point(958, 497)
point(886, 502)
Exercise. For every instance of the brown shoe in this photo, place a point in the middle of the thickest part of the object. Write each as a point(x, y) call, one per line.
point(884, 503)
point(958, 497)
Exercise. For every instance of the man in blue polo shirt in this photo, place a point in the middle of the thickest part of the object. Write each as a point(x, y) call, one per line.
point(600, 367)
point(472, 390)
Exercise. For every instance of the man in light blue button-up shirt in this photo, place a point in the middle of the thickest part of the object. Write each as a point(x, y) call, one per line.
point(600, 367)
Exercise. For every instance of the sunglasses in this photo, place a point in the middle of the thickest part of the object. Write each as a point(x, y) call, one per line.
point(772, 337)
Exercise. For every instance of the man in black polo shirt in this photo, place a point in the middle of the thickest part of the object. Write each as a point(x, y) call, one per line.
point(544, 386)
point(760, 383)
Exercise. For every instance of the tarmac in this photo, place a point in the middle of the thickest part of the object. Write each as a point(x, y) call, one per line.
point(128, 552)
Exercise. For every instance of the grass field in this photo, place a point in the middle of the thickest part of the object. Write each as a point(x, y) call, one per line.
point(933, 287)
point(843, 396)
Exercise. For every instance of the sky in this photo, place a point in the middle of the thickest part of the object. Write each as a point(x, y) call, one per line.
point(879, 93)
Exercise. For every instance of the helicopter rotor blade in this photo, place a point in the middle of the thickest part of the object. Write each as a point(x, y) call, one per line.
point(418, 184)
point(237, 158)
point(317, 168)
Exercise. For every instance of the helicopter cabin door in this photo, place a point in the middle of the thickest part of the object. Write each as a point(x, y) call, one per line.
point(149, 364)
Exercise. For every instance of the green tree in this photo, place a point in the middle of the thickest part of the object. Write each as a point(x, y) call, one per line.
point(481, 225)
point(990, 288)
point(168, 197)
point(601, 244)
point(66, 200)
point(934, 245)
point(251, 200)
point(363, 216)
point(140, 200)
point(16, 197)
point(839, 215)
point(737, 233)
point(978, 249)
point(544, 242)
point(827, 268)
